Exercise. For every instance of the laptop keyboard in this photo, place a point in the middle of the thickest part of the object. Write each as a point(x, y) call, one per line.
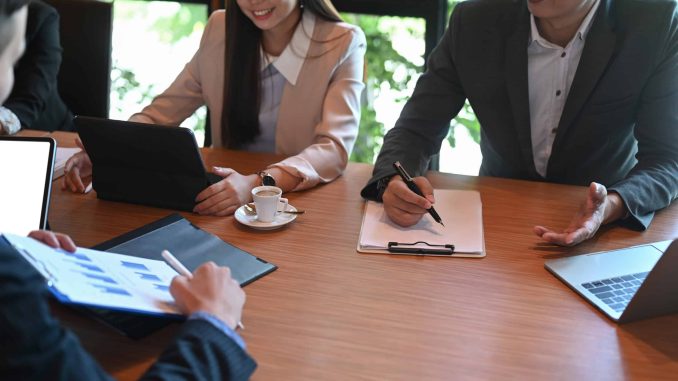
point(616, 292)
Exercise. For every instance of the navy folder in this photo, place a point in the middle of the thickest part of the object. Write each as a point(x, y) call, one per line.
point(192, 246)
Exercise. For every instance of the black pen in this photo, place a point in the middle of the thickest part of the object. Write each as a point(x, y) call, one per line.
point(414, 188)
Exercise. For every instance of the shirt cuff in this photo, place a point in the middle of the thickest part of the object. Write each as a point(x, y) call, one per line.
point(9, 121)
point(220, 325)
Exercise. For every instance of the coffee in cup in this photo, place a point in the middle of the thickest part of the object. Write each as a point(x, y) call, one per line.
point(268, 202)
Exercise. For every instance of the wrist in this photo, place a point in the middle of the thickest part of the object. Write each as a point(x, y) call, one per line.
point(614, 209)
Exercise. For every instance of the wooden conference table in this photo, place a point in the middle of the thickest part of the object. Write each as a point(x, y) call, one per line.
point(330, 313)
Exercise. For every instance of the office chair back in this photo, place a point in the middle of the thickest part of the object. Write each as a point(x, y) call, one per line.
point(85, 75)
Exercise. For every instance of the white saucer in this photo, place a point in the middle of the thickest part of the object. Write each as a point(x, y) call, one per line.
point(280, 220)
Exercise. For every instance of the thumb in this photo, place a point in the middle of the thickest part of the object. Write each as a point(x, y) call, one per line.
point(223, 172)
point(597, 193)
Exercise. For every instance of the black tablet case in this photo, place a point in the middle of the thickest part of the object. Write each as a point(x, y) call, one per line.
point(192, 246)
point(143, 163)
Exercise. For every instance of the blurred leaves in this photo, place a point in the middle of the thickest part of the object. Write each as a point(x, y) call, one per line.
point(388, 70)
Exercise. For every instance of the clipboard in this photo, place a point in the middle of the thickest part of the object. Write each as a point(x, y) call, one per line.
point(462, 236)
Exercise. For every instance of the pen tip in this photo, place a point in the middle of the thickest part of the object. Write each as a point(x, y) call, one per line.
point(442, 223)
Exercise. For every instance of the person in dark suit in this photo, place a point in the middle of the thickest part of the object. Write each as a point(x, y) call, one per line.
point(569, 91)
point(34, 346)
point(35, 102)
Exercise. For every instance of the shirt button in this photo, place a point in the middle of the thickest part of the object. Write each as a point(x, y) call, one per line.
point(563, 55)
point(554, 130)
point(558, 93)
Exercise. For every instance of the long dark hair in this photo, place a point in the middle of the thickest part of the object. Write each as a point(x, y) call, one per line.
point(242, 98)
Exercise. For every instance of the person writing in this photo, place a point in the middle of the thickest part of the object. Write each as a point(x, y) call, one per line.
point(281, 76)
point(569, 91)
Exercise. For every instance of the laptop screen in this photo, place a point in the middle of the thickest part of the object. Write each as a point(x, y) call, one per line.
point(26, 166)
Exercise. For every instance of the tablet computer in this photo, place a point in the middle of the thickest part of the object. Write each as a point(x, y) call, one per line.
point(143, 163)
point(26, 167)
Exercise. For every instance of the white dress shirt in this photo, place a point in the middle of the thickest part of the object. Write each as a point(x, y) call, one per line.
point(551, 69)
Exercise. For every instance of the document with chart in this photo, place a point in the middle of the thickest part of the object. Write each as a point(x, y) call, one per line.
point(462, 236)
point(101, 279)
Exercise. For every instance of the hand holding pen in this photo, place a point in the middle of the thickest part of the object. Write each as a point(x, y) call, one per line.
point(209, 289)
point(407, 201)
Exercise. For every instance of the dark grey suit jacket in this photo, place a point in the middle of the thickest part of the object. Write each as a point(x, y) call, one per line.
point(35, 99)
point(619, 126)
point(34, 346)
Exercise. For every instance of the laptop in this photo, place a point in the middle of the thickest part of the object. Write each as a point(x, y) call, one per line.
point(627, 284)
point(143, 163)
point(26, 167)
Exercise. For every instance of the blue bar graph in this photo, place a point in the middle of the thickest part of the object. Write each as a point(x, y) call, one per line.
point(102, 278)
point(81, 257)
point(145, 276)
point(134, 265)
point(161, 287)
point(112, 290)
point(89, 267)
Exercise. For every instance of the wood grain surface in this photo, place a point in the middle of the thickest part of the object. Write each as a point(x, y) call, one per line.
point(330, 313)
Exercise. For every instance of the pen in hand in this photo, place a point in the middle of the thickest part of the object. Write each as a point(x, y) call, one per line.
point(182, 270)
point(414, 188)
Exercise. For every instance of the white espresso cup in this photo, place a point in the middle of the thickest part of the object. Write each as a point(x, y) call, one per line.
point(267, 201)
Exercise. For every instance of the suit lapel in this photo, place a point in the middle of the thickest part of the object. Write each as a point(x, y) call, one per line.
point(598, 49)
point(517, 85)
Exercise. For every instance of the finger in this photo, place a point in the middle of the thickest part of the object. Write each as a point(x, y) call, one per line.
point(179, 289)
point(540, 230)
point(227, 212)
point(221, 206)
point(48, 238)
point(402, 217)
point(215, 203)
point(425, 187)
point(211, 190)
point(74, 181)
point(223, 172)
point(65, 242)
point(405, 198)
point(597, 193)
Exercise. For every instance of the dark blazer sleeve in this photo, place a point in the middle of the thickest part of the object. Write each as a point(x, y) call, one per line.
point(425, 119)
point(34, 346)
point(202, 352)
point(653, 183)
point(35, 99)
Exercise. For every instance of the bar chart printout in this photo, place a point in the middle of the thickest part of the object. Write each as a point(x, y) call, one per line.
point(101, 279)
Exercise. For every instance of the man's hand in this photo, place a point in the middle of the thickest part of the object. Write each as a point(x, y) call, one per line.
point(224, 197)
point(55, 240)
point(598, 209)
point(211, 290)
point(77, 168)
point(403, 206)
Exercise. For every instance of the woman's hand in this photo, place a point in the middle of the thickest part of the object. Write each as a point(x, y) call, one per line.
point(224, 197)
point(78, 167)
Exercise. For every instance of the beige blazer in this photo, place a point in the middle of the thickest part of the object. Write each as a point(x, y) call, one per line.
point(318, 117)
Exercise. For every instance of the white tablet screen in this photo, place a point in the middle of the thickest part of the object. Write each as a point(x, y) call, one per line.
point(24, 192)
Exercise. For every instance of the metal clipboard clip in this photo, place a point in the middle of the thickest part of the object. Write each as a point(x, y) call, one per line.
point(420, 247)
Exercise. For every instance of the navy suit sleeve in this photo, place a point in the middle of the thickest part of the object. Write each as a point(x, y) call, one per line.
point(653, 183)
point(202, 352)
point(425, 119)
point(34, 346)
